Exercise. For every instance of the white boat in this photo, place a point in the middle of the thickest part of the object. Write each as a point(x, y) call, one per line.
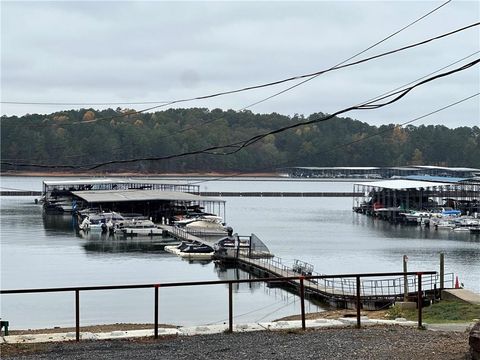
point(100, 221)
point(141, 228)
point(417, 217)
point(192, 251)
point(204, 226)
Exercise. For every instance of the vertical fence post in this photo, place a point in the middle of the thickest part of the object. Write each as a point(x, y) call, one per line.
point(358, 302)
point(77, 315)
point(419, 300)
point(156, 311)
point(442, 273)
point(302, 301)
point(405, 279)
point(230, 307)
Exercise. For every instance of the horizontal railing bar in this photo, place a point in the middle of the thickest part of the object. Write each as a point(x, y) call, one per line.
point(212, 282)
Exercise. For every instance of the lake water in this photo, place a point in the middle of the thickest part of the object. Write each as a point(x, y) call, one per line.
point(45, 252)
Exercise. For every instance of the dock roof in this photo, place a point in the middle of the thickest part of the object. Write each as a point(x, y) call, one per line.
point(91, 181)
point(96, 196)
point(449, 179)
point(403, 184)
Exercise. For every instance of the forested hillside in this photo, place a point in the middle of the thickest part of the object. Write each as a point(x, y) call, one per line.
point(87, 137)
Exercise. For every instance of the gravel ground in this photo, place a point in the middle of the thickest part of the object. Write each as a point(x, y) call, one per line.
point(382, 342)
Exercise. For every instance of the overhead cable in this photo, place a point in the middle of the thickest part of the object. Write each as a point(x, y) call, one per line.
point(234, 147)
point(167, 102)
point(317, 73)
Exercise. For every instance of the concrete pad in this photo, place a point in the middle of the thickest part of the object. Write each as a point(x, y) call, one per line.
point(455, 327)
point(461, 295)
point(217, 329)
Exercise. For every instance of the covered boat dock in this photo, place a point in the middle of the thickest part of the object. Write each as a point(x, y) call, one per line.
point(160, 205)
point(388, 199)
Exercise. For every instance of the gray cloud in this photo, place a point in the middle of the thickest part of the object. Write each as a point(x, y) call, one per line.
point(156, 51)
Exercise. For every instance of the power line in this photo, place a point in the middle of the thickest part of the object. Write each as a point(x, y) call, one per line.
point(283, 91)
point(345, 145)
point(216, 119)
point(315, 76)
point(369, 105)
point(298, 77)
point(83, 104)
point(239, 145)
point(350, 58)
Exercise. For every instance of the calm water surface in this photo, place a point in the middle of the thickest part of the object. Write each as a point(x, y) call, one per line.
point(45, 252)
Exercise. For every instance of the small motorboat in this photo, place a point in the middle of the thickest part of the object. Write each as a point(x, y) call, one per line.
point(141, 228)
point(192, 251)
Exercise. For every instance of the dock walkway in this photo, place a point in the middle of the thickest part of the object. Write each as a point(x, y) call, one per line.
point(339, 290)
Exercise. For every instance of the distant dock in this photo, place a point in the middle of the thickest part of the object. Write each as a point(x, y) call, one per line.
point(223, 194)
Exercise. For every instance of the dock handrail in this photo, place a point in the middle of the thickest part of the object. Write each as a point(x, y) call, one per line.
point(346, 287)
point(157, 286)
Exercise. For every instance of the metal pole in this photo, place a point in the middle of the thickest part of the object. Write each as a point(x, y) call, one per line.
point(156, 312)
point(358, 302)
point(230, 307)
point(442, 273)
point(302, 301)
point(405, 279)
point(419, 300)
point(77, 315)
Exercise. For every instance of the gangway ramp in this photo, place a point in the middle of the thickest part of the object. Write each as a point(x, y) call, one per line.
point(375, 290)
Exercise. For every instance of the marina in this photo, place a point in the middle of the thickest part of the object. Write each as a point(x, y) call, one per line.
point(318, 231)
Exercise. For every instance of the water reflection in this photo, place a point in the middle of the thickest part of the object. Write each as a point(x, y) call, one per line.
point(58, 223)
point(385, 229)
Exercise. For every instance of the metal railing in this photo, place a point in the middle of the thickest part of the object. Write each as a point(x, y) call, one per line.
point(346, 287)
point(157, 287)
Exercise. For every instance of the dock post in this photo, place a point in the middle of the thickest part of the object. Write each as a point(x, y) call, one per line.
point(442, 273)
point(77, 315)
point(405, 279)
point(302, 301)
point(156, 311)
point(359, 305)
point(230, 307)
point(419, 300)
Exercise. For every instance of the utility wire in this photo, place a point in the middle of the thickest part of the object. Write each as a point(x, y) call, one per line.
point(315, 76)
point(82, 104)
point(369, 105)
point(345, 145)
point(239, 145)
point(298, 77)
point(248, 106)
point(216, 119)
point(350, 58)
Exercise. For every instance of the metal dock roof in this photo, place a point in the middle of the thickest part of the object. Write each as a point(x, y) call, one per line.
point(95, 196)
point(401, 184)
point(449, 179)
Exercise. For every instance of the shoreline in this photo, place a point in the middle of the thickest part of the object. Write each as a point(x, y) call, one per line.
point(136, 174)
point(327, 314)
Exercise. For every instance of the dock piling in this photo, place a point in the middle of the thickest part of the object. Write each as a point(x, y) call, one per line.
point(156, 311)
point(230, 307)
point(359, 304)
point(419, 301)
point(302, 301)
point(77, 315)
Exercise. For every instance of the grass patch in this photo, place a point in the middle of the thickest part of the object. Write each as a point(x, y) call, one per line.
point(441, 312)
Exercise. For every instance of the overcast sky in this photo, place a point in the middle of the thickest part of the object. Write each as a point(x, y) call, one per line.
point(115, 51)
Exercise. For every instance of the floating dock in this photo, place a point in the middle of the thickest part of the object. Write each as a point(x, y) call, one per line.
point(339, 291)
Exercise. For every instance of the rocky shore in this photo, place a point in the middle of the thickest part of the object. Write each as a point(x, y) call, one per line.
point(377, 342)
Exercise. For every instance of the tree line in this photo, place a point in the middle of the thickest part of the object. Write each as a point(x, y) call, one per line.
point(82, 138)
